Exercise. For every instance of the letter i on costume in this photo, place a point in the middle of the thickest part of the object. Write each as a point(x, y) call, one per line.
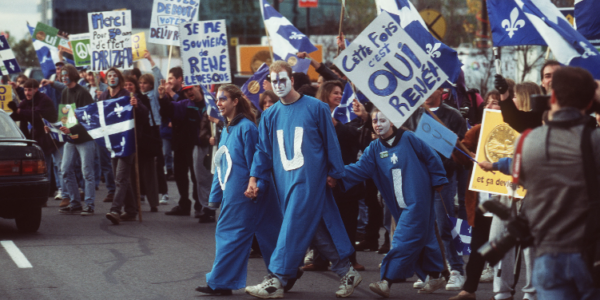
point(406, 171)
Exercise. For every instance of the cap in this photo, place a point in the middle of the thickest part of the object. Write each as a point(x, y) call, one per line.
point(187, 87)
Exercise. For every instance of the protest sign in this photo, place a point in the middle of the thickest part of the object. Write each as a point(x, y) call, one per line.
point(110, 41)
point(8, 62)
point(51, 36)
point(204, 52)
point(138, 46)
point(5, 97)
point(436, 135)
point(391, 69)
point(496, 140)
point(166, 18)
point(66, 114)
point(80, 44)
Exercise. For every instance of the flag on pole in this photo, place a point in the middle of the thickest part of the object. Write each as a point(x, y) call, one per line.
point(587, 20)
point(509, 25)
point(46, 55)
point(211, 104)
point(461, 235)
point(111, 124)
point(568, 46)
point(55, 132)
point(8, 62)
point(253, 87)
point(344, 112)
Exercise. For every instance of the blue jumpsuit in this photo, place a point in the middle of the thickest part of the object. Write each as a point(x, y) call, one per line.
point(405, 173)
point(298, 144)
point(241, 218)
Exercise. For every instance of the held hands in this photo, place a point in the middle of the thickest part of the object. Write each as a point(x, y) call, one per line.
point(46, 129)
point(162, 88)
point(65, 130)
point(303, 55)
point(133, 102)
point(45, 82)
point(252, 191)
point(331, 182)
point(486, 166)
point(13, 106)
point(211, 141)
point(438, 188)
point(149, 58)
point(340, 40)
point(267, 85)
point(500, 84)
point(359, 110)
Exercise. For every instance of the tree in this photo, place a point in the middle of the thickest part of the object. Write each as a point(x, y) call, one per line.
point(24, 51)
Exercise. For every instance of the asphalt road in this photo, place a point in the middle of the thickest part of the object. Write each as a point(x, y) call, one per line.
point(163, 257)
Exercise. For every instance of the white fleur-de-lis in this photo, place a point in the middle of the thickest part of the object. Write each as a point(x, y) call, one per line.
point(86, 118)
point(394, 158)
point(587, 51)
point(118, 110)
point(514, 23)
point(296, 36)
point(431, 50)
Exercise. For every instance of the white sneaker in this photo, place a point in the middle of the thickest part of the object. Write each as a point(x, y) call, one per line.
point(347, 284)
point(270, 288)
point(487, 275)
point(419, 284)
point(431, 285)
point(309, 258)
point(164, 199)
point(58, 195)
point(381, 288)
point(456, 281)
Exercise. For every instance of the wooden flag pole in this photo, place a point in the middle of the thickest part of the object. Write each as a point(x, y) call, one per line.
point(137, 164)
point(340, 29)
point(168, 63)
point(269, 40)
point(547, 54)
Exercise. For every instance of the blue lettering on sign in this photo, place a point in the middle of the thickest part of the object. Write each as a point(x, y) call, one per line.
point(390, 29)
point(105, 59)
point(98, 21)
point(395, 103)
point(389, 89)
point(213, 27)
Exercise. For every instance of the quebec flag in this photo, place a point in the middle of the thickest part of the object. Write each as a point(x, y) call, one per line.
point(409, 19)
point(111, 124)
point(55, 132)
point(46, 55)
point(211, 105)
point(568, 46)
point(286, 39)
point(509, 25)
point(587, 19)
point(461, 235)
point(8, 62)
point(253, 87)
point(344, 112)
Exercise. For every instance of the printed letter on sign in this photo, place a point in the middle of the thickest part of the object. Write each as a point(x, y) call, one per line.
point(298, 160)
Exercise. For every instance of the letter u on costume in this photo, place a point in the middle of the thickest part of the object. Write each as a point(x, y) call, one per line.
point(298, 160)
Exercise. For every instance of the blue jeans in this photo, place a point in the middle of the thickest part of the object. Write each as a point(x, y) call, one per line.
point(363, 216)
point(168, 154)
point(85, 152)
point(563, 276)
point(462, 182)
point(58, 174)
point(103, 165)
point(445, 226)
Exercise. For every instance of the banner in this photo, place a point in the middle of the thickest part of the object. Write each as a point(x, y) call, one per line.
point(8, 62)
point(496, 140)
point(167, 15)
point(80, 44)
point(204, 52)
point(139, 46)
point(52, 36)
point(390, 68)
point(5, 97)
point(110, 40)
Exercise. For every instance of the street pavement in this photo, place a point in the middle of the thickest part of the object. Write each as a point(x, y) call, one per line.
point(163, 257)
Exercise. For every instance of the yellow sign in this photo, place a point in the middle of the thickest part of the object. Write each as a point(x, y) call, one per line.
point(496, 140)
point(5, 97)
point(435, 22)
point(138, 46)
point(250, 57)
point(234, 41)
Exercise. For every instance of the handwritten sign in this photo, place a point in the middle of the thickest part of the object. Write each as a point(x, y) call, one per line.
point(436, 135)
point(51, 36)
point(5, 97)
point(390, 68)
point(167, 15)
point(110, 40)
point(205, 53)
point(139, 46)
point(80, 43)
point(496, 140)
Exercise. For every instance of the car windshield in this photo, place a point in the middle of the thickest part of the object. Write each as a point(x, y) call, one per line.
point(8, 128)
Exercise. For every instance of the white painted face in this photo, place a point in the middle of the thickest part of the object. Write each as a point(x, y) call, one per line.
point(281, 82)
point(381, 124)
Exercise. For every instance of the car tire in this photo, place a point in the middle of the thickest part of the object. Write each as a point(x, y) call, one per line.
point(30, 222)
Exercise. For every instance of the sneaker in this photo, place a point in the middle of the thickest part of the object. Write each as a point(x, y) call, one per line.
point(208, 290)
point(114, 217)
point(65, 202)
point(270, 288)
point(164, 199)
point(58, 195)
point(456, 281)
point(128, 217)
point(347, 284)
point(487, 275)
point(431, 285)
point(87, 211)
point(309, 258)
point(69, 210)
point(381, 288)
point(419, 284)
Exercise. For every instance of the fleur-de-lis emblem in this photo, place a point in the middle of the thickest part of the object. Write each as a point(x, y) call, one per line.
point(394, 158)
point(587, 51)
point(296, 36)
point(118, 110)
point(431, 50)
point(86, 118)
point(513, 24)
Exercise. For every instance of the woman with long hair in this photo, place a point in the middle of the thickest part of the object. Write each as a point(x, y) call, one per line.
point(240, 218)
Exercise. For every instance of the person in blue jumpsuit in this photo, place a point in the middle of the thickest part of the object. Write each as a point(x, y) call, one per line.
point(299, 146)
point(407, 172)
point(241, 218)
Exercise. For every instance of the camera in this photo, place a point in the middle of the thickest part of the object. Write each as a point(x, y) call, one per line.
point(517, 233)
point(540, 103)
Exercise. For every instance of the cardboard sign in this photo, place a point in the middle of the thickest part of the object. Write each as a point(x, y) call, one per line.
point(167, 15)
point(80, 43)
point(496, 140)
point(391, 69)
point(5, 97)
point(50, 36)
point(204, 52)
point(110, 40)
point(436, 135)
point(139, 46)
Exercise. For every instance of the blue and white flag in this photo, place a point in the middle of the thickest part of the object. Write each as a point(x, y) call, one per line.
point(410, 20)
point(344, 112)
point(568, 46)
point(299, 65)
point(509, 25)
point(461, 235)
point(587, 19)
point(211, 105)
point(45, 53)
point(253, 87)
point(8, 62)
point(111, 124)
point(285, 38)
point(55, 132)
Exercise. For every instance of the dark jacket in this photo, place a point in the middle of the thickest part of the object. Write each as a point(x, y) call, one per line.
point(327, 74)
point(186, 116)
point(519, 120)
point(80, 97)
point(43, 107)
point(349, 138)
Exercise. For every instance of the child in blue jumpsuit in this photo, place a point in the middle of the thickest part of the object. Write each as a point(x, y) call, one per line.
point(406, 171)
point(241, 218)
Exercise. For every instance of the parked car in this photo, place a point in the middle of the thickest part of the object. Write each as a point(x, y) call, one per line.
point(23, 180)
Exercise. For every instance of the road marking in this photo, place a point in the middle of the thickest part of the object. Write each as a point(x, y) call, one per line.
point(16, 254)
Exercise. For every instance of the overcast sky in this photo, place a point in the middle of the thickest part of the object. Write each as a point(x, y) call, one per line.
point(15, 14)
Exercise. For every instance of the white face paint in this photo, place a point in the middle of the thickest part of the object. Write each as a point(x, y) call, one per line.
point(382, 124)
point(281, 82)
